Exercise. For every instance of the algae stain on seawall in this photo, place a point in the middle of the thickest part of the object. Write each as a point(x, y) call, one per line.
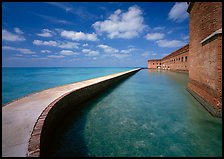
point(19, 82)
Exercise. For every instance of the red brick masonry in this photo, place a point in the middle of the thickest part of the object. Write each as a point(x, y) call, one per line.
point(177, 60)
point(205, 54)
point(202, 58)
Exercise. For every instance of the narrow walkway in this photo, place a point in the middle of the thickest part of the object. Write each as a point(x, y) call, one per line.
point(19, 117)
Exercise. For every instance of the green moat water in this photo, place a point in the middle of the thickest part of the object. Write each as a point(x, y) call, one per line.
point(148, 114)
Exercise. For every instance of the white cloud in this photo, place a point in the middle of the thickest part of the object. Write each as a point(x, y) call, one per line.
point(21, 50)
point(68, 52)
point(125, 25)
point(85, 45)
point(159, 28)
point(179, 12)
point(128, 50)
point(120, 55)
point(79, 35)
point(154, 36)
point(45, 51)
point(46, 33)
point(89, 52)
point(40, 58)
point(7, 36)
point(55, 56)
point(171, 43)
point(46, 43)
point(61, 5)
point(25, 51)
point(186, 37)
point(18, 30)
point(68, 45)
point(64, 45)
point(108, 49)
point(146, 54)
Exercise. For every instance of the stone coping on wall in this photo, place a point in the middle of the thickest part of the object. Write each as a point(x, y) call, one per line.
point(219, 31)
point(19, 118)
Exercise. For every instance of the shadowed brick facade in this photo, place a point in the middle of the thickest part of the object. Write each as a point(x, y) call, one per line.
point(205, 54)
point(202, 58)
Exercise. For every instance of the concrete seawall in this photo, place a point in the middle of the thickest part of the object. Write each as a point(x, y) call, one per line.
point(27, 121)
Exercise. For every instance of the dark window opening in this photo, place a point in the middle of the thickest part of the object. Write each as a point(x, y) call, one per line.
point(152, 63)
point(159, 63)
point(182, 59)
point(185, 58)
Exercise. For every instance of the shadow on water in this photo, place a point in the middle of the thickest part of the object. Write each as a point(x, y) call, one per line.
point(73, 126)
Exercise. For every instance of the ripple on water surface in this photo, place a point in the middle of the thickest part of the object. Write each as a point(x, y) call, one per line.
point(148, 114)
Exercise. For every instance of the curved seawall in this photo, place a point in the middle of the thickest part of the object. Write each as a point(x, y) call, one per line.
point(25, 122)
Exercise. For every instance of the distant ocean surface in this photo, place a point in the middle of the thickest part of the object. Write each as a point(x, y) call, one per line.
point(18, 82)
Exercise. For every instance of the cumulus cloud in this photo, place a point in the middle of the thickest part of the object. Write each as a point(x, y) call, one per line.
point(46, 33)
point(21, 50)
point(108, 49)
point(85, 45)
point(120, 55)
point(146, 54)
point(45, 51)
point(18, 30)
point(120, 24)
point(8, 36)
point(89, 52)
point(171, 43)
point(55, 56)
point(159, 28)
point(68, 45)
point(178, 12)
point(68, 52)
point(127, 51)
point(154, 36)
point(46, 43)
point(64, 45)
point(73, 35)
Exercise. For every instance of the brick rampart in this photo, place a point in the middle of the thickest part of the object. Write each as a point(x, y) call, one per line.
point(176, 61)
point(205, 54)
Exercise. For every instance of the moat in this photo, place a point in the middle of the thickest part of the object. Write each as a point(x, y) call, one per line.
point(148, 114)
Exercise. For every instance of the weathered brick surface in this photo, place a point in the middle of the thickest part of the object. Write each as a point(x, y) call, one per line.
point(154, 63)
point(205, 60)
point(177, 60)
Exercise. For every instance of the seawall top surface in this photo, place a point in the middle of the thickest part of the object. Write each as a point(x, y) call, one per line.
point(20, 116)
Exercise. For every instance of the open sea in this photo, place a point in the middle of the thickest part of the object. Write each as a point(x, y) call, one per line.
point(19, 82)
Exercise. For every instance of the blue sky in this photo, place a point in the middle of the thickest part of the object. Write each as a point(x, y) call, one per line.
point(91, 34)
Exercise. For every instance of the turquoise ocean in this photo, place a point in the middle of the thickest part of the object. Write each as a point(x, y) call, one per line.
point(19, 82)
